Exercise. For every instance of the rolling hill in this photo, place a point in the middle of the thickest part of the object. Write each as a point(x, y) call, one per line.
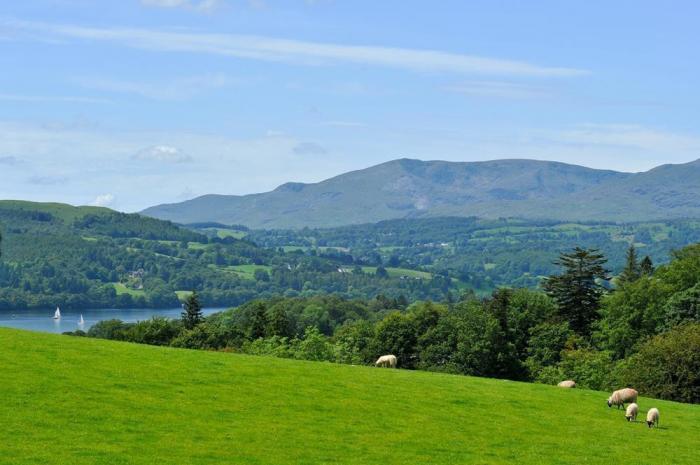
point(87, 257)
point(86, 401)
point(408, 188)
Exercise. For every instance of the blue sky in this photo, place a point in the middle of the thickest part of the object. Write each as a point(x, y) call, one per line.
point(131, 103)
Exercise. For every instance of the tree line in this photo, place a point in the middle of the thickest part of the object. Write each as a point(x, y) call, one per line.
point(644, 332)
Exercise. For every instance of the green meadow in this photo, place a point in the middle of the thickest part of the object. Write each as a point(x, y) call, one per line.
point(69, 400)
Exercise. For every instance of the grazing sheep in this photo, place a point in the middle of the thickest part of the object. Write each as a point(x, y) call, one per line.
point(631, 412)
point(653, 417)
point(621, 396)
point(567, 384)
point(387, 361)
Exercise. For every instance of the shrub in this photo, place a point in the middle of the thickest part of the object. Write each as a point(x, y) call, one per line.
point(666, 366)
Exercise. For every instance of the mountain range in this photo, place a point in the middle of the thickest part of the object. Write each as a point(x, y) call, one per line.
point(407, 188)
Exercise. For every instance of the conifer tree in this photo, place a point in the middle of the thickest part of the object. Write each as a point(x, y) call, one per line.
point(632, 271)
point(646, 266)
point(578, 290)
point(259, 321)
point(192, 314)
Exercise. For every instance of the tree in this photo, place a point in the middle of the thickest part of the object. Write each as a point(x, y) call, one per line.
point(667, 366)
point(192, 314)
point(258, 321)
point(646, 266)
point(577, 290)
point(632, 270)
point(279, 324)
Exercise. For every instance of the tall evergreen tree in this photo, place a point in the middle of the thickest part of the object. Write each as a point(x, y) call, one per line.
point(192, 313)
point(259, 321)
point(632, 271)
point(646, 266)
point(577, 290)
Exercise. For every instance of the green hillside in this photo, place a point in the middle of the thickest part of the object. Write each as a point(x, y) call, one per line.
point(88, 257)
point(405, 188)
point(83, 401)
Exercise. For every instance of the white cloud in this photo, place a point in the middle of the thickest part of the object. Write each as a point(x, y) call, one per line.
point(634, 136)
point(9, 161)
point(205, 6)
point(509, 90)
point(103, 200)
point(47, 180)
point(44, 98)
point(298, 52)
point(309, 148)
point(342, 124)
point(176, 89)
point(163, 154)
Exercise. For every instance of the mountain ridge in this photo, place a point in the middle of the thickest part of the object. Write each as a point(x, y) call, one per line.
point(406, 188)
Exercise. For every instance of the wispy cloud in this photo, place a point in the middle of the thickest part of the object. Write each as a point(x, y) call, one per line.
point(103, 200)
point(47, 180)
point(9, 161)
point(204, 6)
point(498, 89)
point(296, 51)
point(628, 135)
point(309, 148)
point(176, 89)
point(48, 99)
point(162, 154)
point(342, 124)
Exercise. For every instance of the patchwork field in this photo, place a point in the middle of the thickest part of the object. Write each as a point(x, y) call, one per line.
point(71, 400)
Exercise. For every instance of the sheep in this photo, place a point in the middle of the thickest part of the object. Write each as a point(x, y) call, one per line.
point(621, 396)
point(631, 412)
point(653, 417)
point(387, 361)
point(567, 384)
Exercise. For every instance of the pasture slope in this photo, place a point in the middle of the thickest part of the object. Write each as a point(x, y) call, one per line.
point(67, 400)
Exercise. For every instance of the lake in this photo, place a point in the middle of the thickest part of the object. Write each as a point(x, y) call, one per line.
point(42, 320)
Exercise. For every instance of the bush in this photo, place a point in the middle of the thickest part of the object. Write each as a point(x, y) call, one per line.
point(590, 369)
point(667, 366)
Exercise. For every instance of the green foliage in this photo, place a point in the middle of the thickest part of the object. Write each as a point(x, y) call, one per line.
point(667, 366)
point(192, 311)
point(577, 290)
point(590, 368)
point(82, 257)
point(632, 270)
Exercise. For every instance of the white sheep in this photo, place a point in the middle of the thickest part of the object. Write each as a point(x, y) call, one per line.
point(622, 396)
point(387, 361)
point(653, 417)
point(567, 384)
point(631, 412)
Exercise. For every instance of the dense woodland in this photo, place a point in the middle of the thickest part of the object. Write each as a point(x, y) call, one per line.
point(484, 254)
point(643, 333)
point(81, 257)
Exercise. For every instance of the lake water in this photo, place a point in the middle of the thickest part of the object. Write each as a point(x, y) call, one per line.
point(42, 320)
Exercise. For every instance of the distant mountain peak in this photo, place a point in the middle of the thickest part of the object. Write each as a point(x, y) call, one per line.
point(406, 187)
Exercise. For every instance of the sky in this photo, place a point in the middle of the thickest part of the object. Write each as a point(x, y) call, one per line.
point(132, 103)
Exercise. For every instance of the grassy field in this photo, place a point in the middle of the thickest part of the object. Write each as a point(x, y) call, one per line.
point(122, 289)
point(83, 401)
point(397, 272)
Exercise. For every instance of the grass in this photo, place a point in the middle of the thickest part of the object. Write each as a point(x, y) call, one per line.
point(122, 289)
point(182, 295)
point(397, 272)
point(243, 271)
point(79, 401)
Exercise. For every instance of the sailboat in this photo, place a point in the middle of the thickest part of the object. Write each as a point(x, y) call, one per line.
point(81, 322)
point(57, 315)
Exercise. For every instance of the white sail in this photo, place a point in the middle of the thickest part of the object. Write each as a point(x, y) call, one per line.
point(81, 322)
point(57, 315)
